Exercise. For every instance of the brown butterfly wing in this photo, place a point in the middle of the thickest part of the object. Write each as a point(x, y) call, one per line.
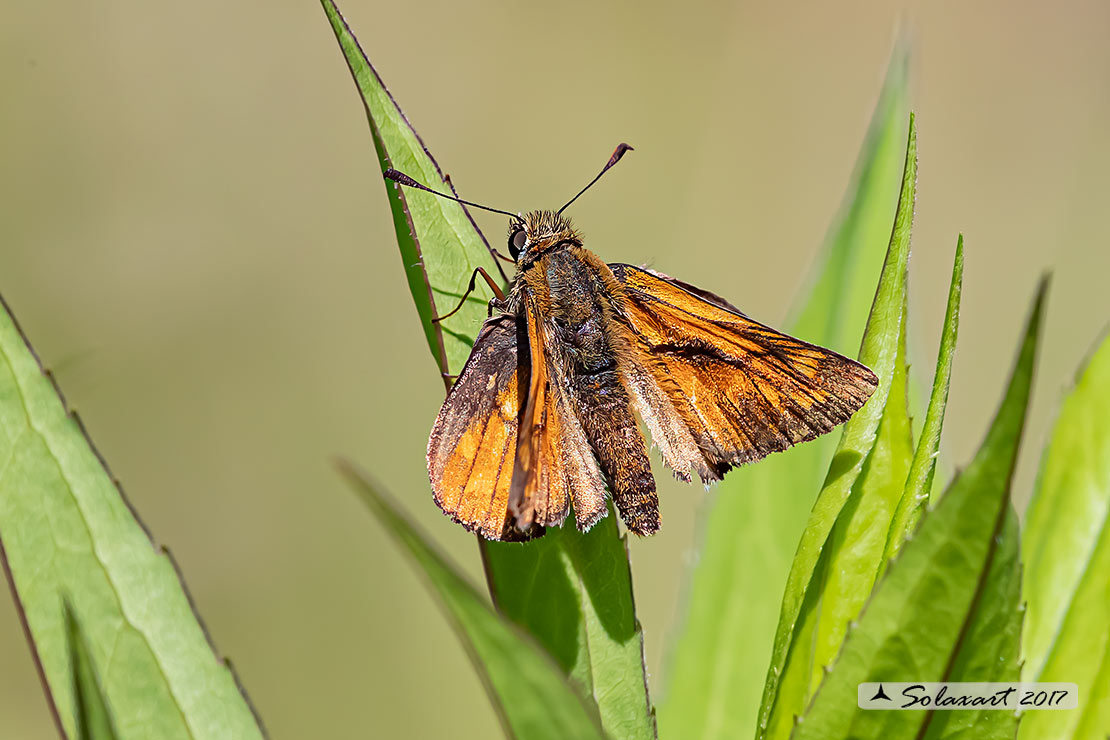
point(534, 467)
point(718, 389)
point(475, 450)
point(473, 441)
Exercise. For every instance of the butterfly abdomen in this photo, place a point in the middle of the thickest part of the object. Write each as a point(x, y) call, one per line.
point(614, 434)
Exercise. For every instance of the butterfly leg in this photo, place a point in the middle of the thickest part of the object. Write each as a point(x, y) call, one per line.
point(500, 294)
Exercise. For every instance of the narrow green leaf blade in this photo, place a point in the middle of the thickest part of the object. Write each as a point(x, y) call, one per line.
point(66, 529)
point(887, 488)
point(757, 514)
point(598, 625)
point(1067, 550)
point(919, 483)
point(440, 245)
point(94, 719)
point(931, 601)
point(533, 698)
point(855, 548)
point(990, 651)
point(879, 351)
point(573, 591)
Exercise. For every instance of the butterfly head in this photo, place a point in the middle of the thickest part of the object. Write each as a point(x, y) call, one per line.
point(532, 234)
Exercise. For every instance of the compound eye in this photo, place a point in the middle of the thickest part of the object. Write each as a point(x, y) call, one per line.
point(516, 242)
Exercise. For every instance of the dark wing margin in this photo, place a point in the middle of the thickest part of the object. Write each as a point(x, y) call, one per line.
point(717, 389)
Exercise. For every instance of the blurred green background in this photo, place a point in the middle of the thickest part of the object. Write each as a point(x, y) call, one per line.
point(194, 235)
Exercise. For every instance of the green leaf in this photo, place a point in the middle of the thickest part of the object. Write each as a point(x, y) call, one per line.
point(66, 529)
point(1067, 551)
point(573, 591)
point(788, 679)
point(857, 551)
point(919, 483)
point(94, 719)
point(755, 517)
point(593, 633)
point(440, 245)
point(935, 597)
point(990, 651)
point(854, 552)
point(533, 699)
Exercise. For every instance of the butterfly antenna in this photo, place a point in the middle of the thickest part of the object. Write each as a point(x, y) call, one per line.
point(617, 154)
point(402, 179)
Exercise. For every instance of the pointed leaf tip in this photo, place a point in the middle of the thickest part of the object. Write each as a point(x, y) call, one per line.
point(919, 481)
point(439, 242)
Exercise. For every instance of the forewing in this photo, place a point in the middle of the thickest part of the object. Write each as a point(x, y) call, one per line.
point(705, 295)
point(473, 442)
point(533, 462)
point(742, 390)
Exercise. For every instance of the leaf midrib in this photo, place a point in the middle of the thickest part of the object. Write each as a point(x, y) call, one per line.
point(980, 588)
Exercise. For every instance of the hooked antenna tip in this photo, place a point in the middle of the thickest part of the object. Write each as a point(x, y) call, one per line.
point(618, 153)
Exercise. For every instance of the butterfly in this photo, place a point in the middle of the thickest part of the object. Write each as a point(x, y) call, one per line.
point(543, 418)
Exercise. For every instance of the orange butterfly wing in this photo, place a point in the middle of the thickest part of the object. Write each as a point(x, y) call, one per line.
point(490, 478)
point(718, 389)
point(473, 441)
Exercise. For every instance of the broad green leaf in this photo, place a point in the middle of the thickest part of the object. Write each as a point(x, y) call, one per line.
point(919, 483)
point(533, 698)
point(67, 530)
point(1067, 551)
point(918, 622)
point(597, 627)
point(440, 245)
point(573, 591)
point(791, 655)
point(990, 651)
point(94, 719)
point(755, 517)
